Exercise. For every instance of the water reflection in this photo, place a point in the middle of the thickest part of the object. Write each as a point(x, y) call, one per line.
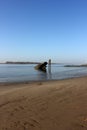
point(49, 72)
point(42, 75)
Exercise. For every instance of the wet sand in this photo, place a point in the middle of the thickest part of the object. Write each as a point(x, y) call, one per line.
point(51, 105)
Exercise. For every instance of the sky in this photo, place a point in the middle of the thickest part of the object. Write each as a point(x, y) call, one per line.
point(38, 30)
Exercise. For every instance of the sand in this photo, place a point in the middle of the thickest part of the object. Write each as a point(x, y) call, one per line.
point(51, 105)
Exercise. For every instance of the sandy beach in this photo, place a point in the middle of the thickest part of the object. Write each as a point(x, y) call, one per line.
point(51, 105)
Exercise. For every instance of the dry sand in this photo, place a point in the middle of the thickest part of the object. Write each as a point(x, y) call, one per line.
point(52, 105)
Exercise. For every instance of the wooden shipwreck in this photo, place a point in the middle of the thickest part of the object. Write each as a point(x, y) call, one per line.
point(41, 66)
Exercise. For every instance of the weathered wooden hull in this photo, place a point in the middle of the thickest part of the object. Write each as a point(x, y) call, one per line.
point(41, 66)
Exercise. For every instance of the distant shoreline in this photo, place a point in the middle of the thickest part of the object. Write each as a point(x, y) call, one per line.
point(83, 65)
point(10, 62)
point(22, 62)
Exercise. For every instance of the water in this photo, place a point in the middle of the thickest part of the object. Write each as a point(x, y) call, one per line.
point(19, 73)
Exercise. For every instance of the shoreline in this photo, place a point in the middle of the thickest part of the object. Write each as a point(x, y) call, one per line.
point(37, 81)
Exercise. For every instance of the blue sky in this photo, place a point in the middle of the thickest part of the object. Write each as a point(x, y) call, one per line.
point(36, 30)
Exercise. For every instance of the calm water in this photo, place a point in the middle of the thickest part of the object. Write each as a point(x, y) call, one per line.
point(17, 73)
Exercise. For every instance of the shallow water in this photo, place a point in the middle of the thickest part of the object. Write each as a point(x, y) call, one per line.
point(19, 73)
